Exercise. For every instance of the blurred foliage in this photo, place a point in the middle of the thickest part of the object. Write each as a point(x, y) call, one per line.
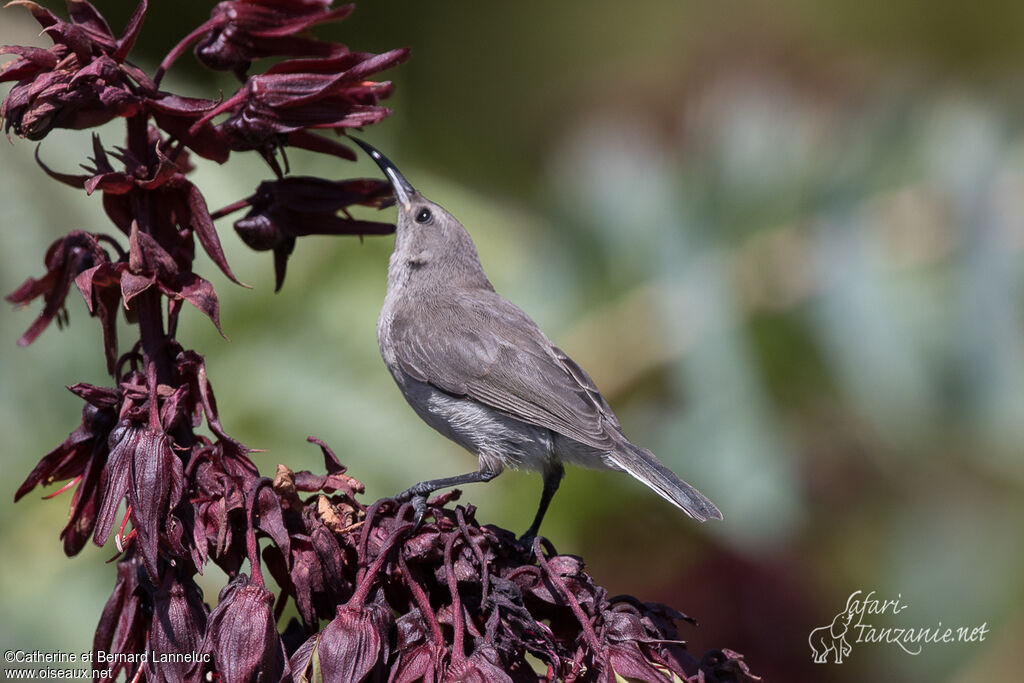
point(785, 239)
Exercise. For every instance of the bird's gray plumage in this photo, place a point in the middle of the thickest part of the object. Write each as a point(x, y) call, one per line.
point(479, 370)
point(474, 343)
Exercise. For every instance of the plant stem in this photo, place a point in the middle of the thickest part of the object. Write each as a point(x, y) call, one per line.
point(148, 304)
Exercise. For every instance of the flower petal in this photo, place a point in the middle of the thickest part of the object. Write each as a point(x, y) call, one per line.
point(355, 642)
point(198, 292)
point(241, 634)
point(123, 441)
point(152, 465)
point(202, 225)
point(179, 624)
point(131, 32)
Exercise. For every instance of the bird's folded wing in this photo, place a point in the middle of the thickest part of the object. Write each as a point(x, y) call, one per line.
point(483, 347)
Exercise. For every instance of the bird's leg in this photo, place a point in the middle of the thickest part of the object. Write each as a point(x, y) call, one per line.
point(552, 478)
point(418, 493)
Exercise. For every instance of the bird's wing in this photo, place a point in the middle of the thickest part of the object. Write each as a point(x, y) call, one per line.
point(481, 346)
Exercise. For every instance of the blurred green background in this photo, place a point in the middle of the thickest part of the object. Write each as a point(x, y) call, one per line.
point(785, 239)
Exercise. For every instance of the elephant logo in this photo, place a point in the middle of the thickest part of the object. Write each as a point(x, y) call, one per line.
point(832, 638)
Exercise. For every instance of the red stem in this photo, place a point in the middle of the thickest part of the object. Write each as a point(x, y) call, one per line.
point(148, 304)
point(464, 528)
point(574, 605)
point(180, 48)
point(370, 577)
point(458, 653)
point(422, 601)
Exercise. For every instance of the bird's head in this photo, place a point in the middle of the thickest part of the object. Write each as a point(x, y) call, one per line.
point(427, 236)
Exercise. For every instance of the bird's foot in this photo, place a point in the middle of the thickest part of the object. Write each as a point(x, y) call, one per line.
point(419, 508)
point(418, 498)
point(527, 539)
point(532, 540)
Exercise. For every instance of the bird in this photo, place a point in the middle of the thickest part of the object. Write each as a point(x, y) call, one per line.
point(477, 369)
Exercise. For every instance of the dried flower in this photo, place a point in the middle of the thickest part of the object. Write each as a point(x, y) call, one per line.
point(124, 623)
point(141, 467)
point(81, 81)
point(66, 258)
point(282, 210)
point(179, 622)
point(294, 97)
point(81, 459)
point(240, 31)
point(352, 647)
point(474, 603)
point(419, 654)
point(242, 637)
point(158, 174)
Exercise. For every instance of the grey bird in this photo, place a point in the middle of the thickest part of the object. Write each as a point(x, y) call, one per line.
point(479, 370)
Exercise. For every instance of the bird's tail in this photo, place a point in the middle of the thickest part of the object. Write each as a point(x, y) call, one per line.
point(642, 464)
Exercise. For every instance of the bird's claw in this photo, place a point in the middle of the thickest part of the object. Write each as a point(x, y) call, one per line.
point(418, 499)
point(419, 508)
point(527, 539)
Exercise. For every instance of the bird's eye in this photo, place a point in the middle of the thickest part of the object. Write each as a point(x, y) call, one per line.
point(424, 216)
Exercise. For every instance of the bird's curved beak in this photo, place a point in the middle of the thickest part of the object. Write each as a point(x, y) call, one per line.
point(403, 190)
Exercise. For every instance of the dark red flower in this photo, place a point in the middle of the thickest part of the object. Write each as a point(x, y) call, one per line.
point(333, 480)
point(483, 666)
point(241, 634)
point(419, 655)
point(240, 31)
point(177, 115)
point(292, 98)
point(124, 623)
point(65, 260)
point(157, 257)
point(179, 209)
point(282, 210)
point(353, 647)
point(81, 459)
point(81, 81)
point(219, 507)
point(624, 634)
point(143, 468)
point(312, 565)
point(178, 626)
point(108, 285)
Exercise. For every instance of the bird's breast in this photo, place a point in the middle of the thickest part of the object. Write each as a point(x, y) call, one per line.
point(498, 440)
point(385, 323)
